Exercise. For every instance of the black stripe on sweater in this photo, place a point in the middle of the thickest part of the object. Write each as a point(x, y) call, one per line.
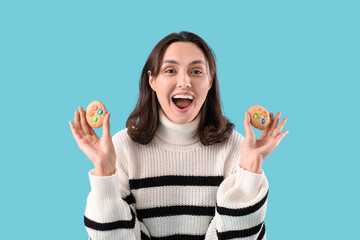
point(130, 224)
point(175, 211)
point(262, 232)
point(242, 211)
point(175, 181)
point(180, 237)
point(239, 233)
point(130, 199)
point(144, 236)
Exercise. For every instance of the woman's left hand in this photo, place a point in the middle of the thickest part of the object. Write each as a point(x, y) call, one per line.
point(255, 151)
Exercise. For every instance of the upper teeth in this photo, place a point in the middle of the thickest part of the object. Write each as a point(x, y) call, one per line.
point(183, 96)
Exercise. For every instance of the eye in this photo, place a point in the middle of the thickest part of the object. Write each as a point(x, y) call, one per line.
point(197, 72)
point(170, 71)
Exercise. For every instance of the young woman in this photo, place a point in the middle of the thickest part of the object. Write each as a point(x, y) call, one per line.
point(179, 170)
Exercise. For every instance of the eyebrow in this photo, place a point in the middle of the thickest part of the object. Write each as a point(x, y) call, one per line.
point(192, 63)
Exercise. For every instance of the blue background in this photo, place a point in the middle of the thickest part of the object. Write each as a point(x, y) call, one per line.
point(297, 57)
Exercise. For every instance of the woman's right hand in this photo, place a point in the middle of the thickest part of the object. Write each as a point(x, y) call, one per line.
point(100, 151)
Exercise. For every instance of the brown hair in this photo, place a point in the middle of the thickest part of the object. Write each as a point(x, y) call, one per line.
point(143, 121)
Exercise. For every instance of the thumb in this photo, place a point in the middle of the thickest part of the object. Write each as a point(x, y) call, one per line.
point(106, 127)
point(249, 133)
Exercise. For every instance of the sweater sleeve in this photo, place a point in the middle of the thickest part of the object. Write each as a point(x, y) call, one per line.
point(240, 204)
point(110, 212)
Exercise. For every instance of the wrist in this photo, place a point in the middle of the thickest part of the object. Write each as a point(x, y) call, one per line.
point(251, 166)
point(251, 162)
point(101, 172)
point(252, 169)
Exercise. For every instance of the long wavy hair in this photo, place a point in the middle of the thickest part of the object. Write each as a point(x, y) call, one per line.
point(143, 121)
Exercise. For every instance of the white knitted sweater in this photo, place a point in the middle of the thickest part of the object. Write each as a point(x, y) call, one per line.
point(176, 188)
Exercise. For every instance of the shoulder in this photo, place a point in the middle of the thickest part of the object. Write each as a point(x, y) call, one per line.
point(236, 136)
point(232, 145)
point(122, 140)
point(121, 135)
point(235, 140)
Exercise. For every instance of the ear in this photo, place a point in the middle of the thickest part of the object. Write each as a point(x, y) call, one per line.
point(210, 84)
point(151, 81)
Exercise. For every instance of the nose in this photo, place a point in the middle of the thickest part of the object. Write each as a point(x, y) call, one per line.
point(184, 81)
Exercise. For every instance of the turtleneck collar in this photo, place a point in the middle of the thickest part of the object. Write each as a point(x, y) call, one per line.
point(179, 134)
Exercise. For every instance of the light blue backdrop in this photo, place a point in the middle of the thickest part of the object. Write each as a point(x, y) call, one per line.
point(297, 57)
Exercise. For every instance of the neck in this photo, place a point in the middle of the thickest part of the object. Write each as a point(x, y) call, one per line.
point(179, 134)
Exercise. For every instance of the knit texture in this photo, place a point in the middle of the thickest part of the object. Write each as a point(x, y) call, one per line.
point(176, 188)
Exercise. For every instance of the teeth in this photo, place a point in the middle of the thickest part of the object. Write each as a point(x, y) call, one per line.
point(183, 96)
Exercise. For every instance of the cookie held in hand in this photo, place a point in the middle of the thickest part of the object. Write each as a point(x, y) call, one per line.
point(95, 114)
point(259, 117)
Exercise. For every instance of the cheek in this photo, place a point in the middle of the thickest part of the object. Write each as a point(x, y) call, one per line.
point(163, 91)
point(203, 89)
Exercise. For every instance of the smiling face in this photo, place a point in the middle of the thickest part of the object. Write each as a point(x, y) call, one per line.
point(183, 82)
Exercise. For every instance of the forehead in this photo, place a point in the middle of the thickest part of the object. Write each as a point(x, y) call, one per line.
point(184, 52)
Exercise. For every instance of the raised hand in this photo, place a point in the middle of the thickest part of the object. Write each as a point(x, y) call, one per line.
point(100, 151)
point(255, 151)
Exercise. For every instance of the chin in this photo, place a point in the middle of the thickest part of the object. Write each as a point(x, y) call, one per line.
point(180, 116)
point(184, 118)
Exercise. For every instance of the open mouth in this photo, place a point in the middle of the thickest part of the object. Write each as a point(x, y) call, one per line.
point(182, 103)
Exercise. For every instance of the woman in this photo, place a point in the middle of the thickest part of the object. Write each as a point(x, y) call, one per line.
point(179, 170)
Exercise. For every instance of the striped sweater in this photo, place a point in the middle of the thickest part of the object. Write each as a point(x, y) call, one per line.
point(176, 188)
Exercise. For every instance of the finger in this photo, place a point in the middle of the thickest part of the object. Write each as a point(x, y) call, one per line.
point(274, 122)
point(74, 131)
point(92, 132)
point(280, 137)
point(265, 132)
point(277, 130)
point(106, 128)
point(84, 124)
point(247, 125)
point(77, 124)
